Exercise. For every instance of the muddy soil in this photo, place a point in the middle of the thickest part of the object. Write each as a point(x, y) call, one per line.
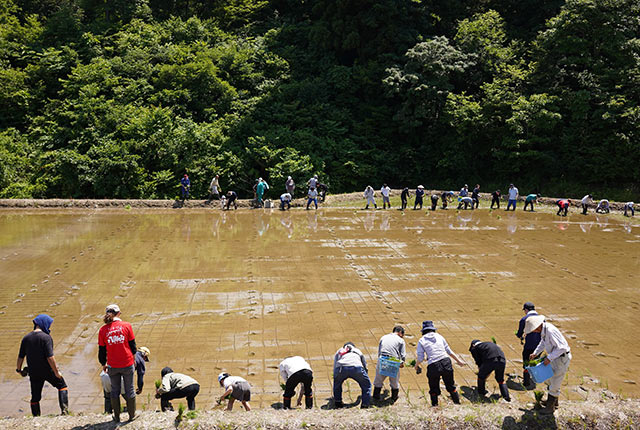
point(209, 291)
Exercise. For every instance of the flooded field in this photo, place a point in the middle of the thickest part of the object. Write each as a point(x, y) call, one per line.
point(208, 291)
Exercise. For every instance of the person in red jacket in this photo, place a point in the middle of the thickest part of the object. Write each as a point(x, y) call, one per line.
point(116, 351)
point(563, 205)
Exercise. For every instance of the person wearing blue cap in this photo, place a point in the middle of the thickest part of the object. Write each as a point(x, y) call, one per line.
point(437, 350)
point(530, 342)
point(37, 347)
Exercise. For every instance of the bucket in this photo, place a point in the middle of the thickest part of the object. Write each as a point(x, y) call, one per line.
point(540, 372)
point(389, 366)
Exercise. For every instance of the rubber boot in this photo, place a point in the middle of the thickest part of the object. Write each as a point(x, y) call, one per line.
point(339, 405)
point(131, 408)
point(482, 390)
point(550, 407)
point(115, 404)
point(35, 409)
point(504, 392)
point(376, 393)
point(63, 401)
point(286, 403)
point(165, 405)
point(394, 394)
point(526, 380)
point(455, 396)
point(308, 402)
point(434, 399)
point(107, 405)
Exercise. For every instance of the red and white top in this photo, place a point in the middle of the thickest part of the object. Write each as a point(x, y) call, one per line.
point(116, 336)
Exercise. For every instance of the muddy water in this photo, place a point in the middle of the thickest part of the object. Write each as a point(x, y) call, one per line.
point(208, 291)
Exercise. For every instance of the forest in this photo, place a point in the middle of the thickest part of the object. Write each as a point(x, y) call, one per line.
point(120, 98)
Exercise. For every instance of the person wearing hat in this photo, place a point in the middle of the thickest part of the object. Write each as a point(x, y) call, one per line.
point(404, 197)
point(290, 186)
point(235, 388)
point(464, 191)
point(558, 355)
point(385, 191)
point(37, 347)
point(391, 345)
point(513, 196)
point(285, 200)
point(116, 354)
point(495, 199)
point(312, 182)
point(141, 357)
point(349, 363)
point(419, 196)
point(176, 386)
point(447, 197)
point(232, 197)
point(466, 201)
point(369, 195)
point(185, 186)
point(530, 343)
point(295, 370)
point(312, 197)
point(214, 192)
point(489, 358)
point(603, 207)
point(437, 352)
point(563, 205)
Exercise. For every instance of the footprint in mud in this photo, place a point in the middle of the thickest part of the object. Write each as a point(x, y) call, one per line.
point(17, 301)
point(629, 381)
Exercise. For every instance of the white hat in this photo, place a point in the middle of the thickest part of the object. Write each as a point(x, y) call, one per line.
point(113, 308)
point(532, 323)
point(222, 376)
point(420, 186)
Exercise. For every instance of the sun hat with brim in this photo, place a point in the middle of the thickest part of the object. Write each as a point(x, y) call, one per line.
point(113, 308)
point(420, 186)
point(532, 323)
point(427, 325)
point(145, 352)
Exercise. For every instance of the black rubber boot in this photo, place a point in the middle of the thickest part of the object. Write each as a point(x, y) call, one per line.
point(434, 399)
point(131, 408)
point(551, 405)
point(308, 402)
point(115, 404)
point(63, 401)
point(527, 381)
point(191, 404)
point(165, 405)
point(504, 392)
point(394, 394)
point(455, 396)
point(482, 390)
point(376, 393)
point(107, 405)
point(339, 405)
point(35, 409)
point(286, 403)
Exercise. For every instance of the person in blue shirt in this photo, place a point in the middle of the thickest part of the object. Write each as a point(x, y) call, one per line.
point(530, 343)
point(185, 186)
point(419, 196)
point(447, 197)
point(464, 191)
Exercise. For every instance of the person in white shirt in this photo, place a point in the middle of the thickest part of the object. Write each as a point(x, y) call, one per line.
point(214, 193)
point(312, 197)
point(349, 363)
point(603, 207)
point(391, 345)
point(437, 352)
point(513, 196)
point(586, 201)
point(369, 195)
point(558, 355)
point(313, 181)
point(295, 370)
point(385, 190)
point(236, 388)
point(290, 186)
point(628, 207)
point(176, 386)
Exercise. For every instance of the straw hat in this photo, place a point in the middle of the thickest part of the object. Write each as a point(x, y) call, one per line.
point(420, 186)
point(532, 323)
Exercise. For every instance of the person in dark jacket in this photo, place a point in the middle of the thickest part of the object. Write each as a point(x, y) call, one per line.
point(404, 196)
point(447, 197)
point(37, 347)
point(495, 199)
point(419, 196)
point(489, 358)
point(531, 341)
point(232, 197)
point(475, 196)
point(434, 201)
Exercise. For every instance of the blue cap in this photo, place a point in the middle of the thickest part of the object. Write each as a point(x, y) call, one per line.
point(427, 325)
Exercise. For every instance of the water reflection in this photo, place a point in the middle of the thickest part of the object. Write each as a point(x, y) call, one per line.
point(368, 221)
point(287, 223)
point(312, 220)
point(385, 223)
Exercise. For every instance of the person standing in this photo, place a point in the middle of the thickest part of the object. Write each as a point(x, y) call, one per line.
point(437, 352)
point(447, 197)
point(185, 187)
point(495, 199)
point(235, 388)
point(290, 186)
point(489, 358)
point(214, 193)
point(37, 347)
point(558, 355)
point(295, 370)
point(603, 207)
point(434, 202)
point(530, 200)
point(349, 363)
point(312, 197)
point(313, 182)
point(385, 191)
point(260, 190)
point(419, 196)
point(513, 197)
point(232, 197)
point(464, 191)
point(391, 345)
point(586, 201)
point(475, 196)
point(176, 386)
point(563, 205)
point(531, 341)
point(628, 207)
point(116, 351)
point(404, 197)
point(369, 195)
point(140, 359)
point(285, 200)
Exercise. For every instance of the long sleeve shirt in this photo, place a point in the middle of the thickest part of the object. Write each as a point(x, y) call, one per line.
point(434, 346)
point(291, 365)
point(349, 356)
point(532, 339)
point(486, 352)
point(175, 381)
point(552, 341)
point(368, 192)
point(141, 368)
point(392, 345)
point(587, 200)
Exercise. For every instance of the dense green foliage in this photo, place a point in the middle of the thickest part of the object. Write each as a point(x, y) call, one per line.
point(119, 98)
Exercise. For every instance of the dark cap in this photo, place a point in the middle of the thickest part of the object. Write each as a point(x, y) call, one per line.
point(474, 342)
point(427, 326)
point(528, 306)
point(166, 371)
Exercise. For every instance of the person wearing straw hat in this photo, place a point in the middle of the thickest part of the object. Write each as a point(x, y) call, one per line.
point(437, 350)
point(369, 195)
point(391, 345)
point(489, 358)
point(419, 196)
point(349, 363)
point(558, 355)
point(531, 341)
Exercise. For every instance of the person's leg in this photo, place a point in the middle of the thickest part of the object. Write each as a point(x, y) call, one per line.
point(290, 389)
point(449, 382)
point(129, 391)
point(395, 387)
point(63, 393)
point(338, 378)
point(361, 377)
point(165, 400)
point(559, 210)
point(560, 367)
point(36, 382)
point(315, 202)
point(307, 383)
point(483, 372)
point(433, 376)
point(499, 374)
point(526, 376)
point(191, 392)
point(378, 382)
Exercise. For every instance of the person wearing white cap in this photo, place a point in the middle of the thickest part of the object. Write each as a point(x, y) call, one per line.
point(558, 355)
point(419, 196)
point(369, 195)
point(290, 186)
point(116, 351)
point(235, 388)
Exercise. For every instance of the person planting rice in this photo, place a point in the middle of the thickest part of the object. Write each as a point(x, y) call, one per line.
point(392, 346)
point(285, 200)
point(419, 196)
point(585, 202)
point(236, 388)
point(530, 200)
point(447, 197)
point(295, 370)
point(558, 355)
point(475, 196)
point(385, 190)
point(495, 199)
point(513, 197)
point(466, 201)
point(531, 341)
point(404, 197)
point(437, 352)
point(322, 191)
point(489, 358)
point(116, 351)
point(563, 205)
point(603, 207)
point(434, 201)
point(176, 386)
point(232, 197)
point(628, 207)
point(37, 347)
point(369, 195)
point(349, 363)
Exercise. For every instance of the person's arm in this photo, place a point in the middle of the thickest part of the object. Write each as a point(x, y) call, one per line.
point(283, 374)
point(165, 386)
point(520, 331)
point(54, 366)
point(538, 349)
point(140, 370)
point(102, 356)
point(299, 402)
point(132, 347)
point(226, 393)
point(19, 364)
point(420, 353)
point(456, 358)
point(364, 362)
